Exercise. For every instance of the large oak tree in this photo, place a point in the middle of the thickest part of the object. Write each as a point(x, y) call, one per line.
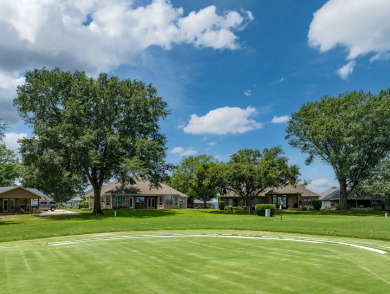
point(351, 132)
point(101, 128)
point(200, 177)
point(250, 172)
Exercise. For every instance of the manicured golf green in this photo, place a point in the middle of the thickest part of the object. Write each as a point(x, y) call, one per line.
point(195, 262)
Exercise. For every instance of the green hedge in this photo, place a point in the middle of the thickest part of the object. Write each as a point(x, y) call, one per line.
point(221, 205)
point(316, 204)
point(260, 209)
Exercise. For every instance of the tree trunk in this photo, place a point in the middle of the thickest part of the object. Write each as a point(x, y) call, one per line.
point(97, 209)
point(249, 204)
point(204, 203)
point(343, 195)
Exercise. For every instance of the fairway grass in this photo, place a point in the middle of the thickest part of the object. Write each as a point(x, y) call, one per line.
point(369, 225)
point(195, 261)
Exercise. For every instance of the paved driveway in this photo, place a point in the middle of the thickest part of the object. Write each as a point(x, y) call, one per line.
point(58, 212)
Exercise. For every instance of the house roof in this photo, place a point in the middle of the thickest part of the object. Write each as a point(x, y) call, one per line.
point(334, 194)
point(141, 187)
point(32, 190)
point(289, 189)
point(77, 198)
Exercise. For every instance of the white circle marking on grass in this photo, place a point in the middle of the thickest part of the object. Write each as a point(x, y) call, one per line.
point(306, 240)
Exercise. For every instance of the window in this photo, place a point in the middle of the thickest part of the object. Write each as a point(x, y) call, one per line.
point(160, 200)
point(102, 199)
point(131, 202)
point(168, 200)
point(278, 199)
point(307, 201)
point(235, 202)
point(119, 200)
point(108, 200)
point(140, 200)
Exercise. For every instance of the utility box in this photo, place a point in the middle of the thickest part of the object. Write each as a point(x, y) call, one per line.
point(268, 213)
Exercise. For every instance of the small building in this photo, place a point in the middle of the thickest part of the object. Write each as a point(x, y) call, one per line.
point(331, 198)
point(141, 195)
point(290, 196)
point(74, 202)
point(11, 197)
point(198, 203)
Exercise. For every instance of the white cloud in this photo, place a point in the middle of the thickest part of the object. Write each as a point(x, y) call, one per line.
point(56, 33)
point(212, 144)
point(280, 119)
point(100, 35)
point(281, 80)
point(319, 185)
point(360, 26)
point(181, 125)
point(248, 93)
point(347, 69)
point(8, 84)
point(223, 121)
point(182, 152)
point(11, 140)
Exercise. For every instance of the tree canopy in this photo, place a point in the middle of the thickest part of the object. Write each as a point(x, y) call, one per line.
point(250, 171)
point(99, 128)
point(9, 163)
point(200, 177)
point(378, 183)
point(45, 169)
point(351, 132)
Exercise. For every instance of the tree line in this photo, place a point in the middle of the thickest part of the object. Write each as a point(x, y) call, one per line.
point(87, 131)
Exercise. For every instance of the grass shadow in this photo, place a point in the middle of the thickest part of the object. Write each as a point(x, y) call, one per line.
point(120, 213)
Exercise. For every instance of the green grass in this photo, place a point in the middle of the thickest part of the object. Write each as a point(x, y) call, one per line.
point(189, 264)
point(371, 225)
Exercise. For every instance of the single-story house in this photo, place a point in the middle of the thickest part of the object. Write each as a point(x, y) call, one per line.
point(330, 198)
point(138, 196)
point(200, 203)
point(74, 202)
point(12, 196)
point(289, 195)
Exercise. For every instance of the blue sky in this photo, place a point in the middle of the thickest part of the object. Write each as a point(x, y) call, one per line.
point(232, 72)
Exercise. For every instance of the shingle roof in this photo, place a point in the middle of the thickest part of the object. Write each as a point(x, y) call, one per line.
point(281, 190)
point(139, 188)
point(32, 190)
point(334, 194)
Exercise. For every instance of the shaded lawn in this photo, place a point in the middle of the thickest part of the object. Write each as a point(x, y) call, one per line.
point(191, 265)
point(371, 225)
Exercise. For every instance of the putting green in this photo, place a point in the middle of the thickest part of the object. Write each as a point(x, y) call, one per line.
point(195, 262)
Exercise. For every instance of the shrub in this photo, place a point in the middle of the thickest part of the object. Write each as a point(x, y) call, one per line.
point(84, 204)
point(237, 208)
point(245, 208)
point(36, 211)
point(221, 205)
point(304, 208)
point(260, 209)
point(311, 207)
point(336, 205)
point(317, 204)
point(228, 208)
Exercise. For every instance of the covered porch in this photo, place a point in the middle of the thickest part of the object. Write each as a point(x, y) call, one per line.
point(16, 197)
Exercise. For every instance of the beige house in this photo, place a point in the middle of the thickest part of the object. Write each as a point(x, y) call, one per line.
point(289, 195)
point(12, 196)
point(138, 196)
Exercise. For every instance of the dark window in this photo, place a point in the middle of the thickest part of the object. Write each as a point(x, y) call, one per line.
point(140, 200)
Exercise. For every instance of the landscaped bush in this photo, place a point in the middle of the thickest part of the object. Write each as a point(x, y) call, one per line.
point(36, 211)
point(317, 204)
point(221, 205)
point(237, 208)
point(260, 209)
point(245, 208)
point(310, 208)
point(84, 204)
point(228, 208)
